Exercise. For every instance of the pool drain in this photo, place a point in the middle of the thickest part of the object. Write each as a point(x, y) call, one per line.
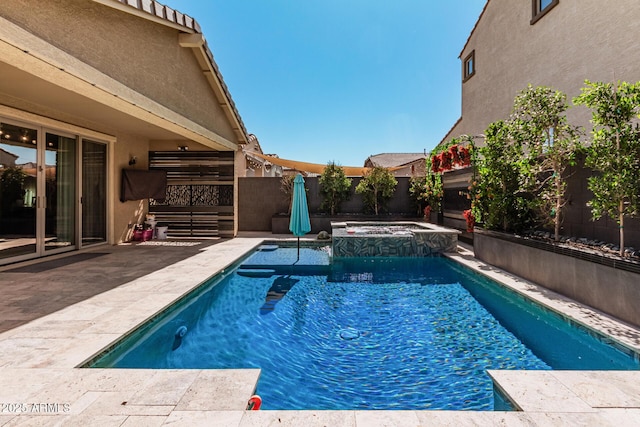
point(349, 334)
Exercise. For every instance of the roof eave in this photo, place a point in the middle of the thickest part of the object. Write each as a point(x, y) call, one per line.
point(474, 28)
point(198, 44)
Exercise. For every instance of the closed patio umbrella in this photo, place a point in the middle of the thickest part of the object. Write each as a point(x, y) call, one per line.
point(299, 223)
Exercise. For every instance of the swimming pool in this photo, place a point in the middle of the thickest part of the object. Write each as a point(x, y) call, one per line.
point(379, 333)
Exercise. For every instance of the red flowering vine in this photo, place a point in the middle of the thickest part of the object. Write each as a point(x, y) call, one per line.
point(427, 211)
point(464, 156)
point(445, 161)
point(435, 163)
point(471, 221)
point(455, 157)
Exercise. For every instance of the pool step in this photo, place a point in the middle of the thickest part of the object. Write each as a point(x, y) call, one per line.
point(256, 272)
point(267, 248)
point(252, 270)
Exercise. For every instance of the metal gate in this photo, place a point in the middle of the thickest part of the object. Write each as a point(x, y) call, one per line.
point(199, 200)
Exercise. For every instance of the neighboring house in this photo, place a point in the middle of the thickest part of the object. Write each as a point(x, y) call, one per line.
point(95, 87)
point(7, 159)
point(514, 44)
point(403, 164)
point(555, 43)
point(256, 166)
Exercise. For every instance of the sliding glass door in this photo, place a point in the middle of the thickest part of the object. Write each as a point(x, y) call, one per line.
point(53, 192)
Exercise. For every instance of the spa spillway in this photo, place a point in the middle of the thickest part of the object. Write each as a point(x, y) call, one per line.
point(402, 239)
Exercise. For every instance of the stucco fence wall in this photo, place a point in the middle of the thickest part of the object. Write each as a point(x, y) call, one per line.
point(611, 290)
point(577, 220)
point(259, 199)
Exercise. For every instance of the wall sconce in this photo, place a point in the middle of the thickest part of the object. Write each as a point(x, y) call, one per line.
point(183, 147)
point(133, 160)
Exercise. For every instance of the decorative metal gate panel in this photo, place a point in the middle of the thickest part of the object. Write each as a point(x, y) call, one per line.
point(199, 200)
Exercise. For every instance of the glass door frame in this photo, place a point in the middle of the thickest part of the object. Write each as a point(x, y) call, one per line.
point(44, 125)
point(42, 191)
point(108, 192)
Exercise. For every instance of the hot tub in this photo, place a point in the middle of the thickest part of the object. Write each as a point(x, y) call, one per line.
point(402, 239)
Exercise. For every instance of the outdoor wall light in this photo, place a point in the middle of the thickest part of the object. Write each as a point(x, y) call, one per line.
point(183, 147)
point(133, 160)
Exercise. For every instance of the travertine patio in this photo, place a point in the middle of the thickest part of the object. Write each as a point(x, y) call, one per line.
point(99, 298)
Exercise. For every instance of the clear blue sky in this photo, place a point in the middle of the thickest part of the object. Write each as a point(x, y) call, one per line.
point(340, 80)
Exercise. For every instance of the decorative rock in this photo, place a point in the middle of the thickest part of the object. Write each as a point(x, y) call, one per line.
point(323, 235)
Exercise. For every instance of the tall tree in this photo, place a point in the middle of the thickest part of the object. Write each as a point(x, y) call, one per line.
point(334, 187)
point(377, 187)
point(539, 125)
point(614, 152)
point(497, 197)
point(427, 189)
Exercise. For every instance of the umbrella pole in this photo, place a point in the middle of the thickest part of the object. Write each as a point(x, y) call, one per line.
point(298, 250)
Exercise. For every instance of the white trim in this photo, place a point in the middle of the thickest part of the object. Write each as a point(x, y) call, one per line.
point(112, 191)
point(52, 124)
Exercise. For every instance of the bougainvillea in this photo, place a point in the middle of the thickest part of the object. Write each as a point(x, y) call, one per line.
point(435, 163)
point(455, 157)
point(471, 221)
point(464, 156)
point(445, 161)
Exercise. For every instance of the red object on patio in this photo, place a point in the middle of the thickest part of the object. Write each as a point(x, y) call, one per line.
point(142, 235)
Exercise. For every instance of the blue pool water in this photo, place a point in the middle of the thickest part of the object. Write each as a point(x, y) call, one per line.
point(374, 333)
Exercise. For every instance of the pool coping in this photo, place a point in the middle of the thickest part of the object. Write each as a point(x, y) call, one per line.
point(38, 365)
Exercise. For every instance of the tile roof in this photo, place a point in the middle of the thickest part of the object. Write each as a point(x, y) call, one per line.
point(394, 159)
point(159, 10)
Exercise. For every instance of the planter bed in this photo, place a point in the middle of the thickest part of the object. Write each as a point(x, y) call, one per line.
point(606, 283)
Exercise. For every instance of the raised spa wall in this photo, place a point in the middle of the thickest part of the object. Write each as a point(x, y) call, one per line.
point(423, 239)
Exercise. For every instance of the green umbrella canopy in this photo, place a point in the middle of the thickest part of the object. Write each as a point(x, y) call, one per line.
point(299, 223)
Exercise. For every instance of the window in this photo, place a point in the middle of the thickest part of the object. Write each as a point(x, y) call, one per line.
point(540, 8)
point(469, 66)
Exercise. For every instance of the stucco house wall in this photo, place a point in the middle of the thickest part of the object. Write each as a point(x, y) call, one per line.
point(574, 41)
point(130, 79)
point(140, 54)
